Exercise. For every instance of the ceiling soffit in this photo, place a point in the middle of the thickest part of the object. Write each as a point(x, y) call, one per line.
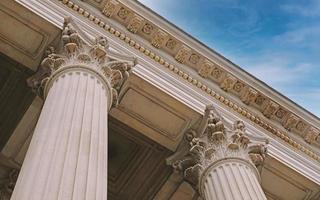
point(24, 35)
point(15, 96)
point(250, 100)
point(137, 167)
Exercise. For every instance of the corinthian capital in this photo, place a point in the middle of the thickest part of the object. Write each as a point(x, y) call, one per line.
point(77, 50)
point(211, 143)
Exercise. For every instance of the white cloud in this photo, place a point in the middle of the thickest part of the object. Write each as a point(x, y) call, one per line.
point(311, 9)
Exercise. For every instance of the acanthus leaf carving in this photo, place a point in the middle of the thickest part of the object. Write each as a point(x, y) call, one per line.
point(212, 142)
point(76, 51)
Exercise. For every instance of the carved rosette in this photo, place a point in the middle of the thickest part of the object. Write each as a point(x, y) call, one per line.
point(213, 143)
point(76, 52)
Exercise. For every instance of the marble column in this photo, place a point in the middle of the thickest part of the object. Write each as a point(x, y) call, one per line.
point(231, 179)
point(219, 163)
point(68, 154)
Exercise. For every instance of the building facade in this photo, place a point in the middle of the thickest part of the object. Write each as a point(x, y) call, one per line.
point(104, 99)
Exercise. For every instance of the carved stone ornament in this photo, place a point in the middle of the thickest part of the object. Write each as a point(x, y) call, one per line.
point(211, 143)
point(123, 13)
point(194, 58)
point(147, 29)
point(135, 23)
point(312, 135)
point(228, 83)
point(249, 96)
point(280, 113)
point(205, 69)
point(110, 8)
point(77, 50)
point(183, 54)
point(238, 86)
point(290, 122)
point(7, 184)
point(270, 109)
point(171, 43)
point(159, 38)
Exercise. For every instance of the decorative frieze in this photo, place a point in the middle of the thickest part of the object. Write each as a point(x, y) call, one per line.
point(147, 28)
point(228, 82)
point(260, 99)
point(301, 126)
point(206, 69)
point(194, 58)
point(159, 38)
point(183, 54)
point(290, 122)
point(135, 23)
point(238, 87)
point(217, 74)
point(311, 135)
point(110, 8)
point(171, 43)
point(123, 13)
point(280, 113)
point(270, 109)
point(249, 95)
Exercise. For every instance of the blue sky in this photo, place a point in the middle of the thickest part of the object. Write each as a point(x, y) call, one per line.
point(278, 41)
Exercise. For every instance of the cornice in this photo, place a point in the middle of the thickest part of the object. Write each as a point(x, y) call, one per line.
point(227, 83)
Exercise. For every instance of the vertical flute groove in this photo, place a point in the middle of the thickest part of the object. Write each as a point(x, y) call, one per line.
point(231, 180)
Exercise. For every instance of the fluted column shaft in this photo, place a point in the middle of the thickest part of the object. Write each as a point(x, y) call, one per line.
point(231, 179)
point(220, 163)
point(67, 157)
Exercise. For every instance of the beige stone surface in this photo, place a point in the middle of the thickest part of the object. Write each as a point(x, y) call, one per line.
point(67, 157)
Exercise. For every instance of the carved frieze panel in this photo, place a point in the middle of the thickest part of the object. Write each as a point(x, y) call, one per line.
point(260, 100)
point(311, 135)
point(280, 113)
point(270, 109)
point(159, 38)
point(183, 54)
point(228, 82)
point(135, 23)
point(171, 43)
point(194, 58)
point(206, 68)
point(217, 74)
point(301, 126)
point(249, 95)
point(147, 28)
point(123, 13)
point(239, 87)
point(290, 122)
point(110, 8)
